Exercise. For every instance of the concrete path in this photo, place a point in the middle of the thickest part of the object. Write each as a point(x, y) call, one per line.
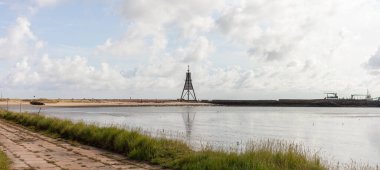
point(30, 150)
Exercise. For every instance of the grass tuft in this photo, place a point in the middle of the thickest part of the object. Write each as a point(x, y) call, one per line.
point(4, 161)
point(171, 153)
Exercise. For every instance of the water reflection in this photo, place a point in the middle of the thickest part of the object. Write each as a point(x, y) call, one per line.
point(188, 119)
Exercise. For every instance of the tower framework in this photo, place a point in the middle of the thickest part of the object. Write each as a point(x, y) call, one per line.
point(188, 92)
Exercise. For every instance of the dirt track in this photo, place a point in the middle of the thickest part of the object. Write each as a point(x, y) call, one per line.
point(30, 150)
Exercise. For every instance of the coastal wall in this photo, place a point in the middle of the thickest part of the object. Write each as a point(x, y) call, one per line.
point(299, 103)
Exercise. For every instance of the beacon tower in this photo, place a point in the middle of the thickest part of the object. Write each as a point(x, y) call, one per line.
point(188, 92)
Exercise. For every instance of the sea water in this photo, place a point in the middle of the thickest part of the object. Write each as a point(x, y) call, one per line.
point(337, 134)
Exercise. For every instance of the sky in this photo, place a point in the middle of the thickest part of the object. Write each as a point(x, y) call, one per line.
point(236, 49)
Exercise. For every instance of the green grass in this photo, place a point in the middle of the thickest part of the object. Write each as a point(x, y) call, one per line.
point(170, 153)
point(4, 162)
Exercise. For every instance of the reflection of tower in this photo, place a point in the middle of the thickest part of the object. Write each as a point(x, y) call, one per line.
point(188, 118)
point(188, 89)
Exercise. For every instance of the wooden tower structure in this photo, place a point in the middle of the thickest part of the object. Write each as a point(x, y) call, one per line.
point(188, 92)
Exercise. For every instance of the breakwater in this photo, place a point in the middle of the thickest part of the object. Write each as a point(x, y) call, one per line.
point(298, 103)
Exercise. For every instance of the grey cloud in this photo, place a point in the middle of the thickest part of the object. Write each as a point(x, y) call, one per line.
point(374, 61)
point(274, 30)
point(308, 65)
point(267, 55)
point(197, 50)
point(291, 64)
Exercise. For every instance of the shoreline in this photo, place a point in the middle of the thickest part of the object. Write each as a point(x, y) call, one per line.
point(73, 105)
point(168, 102)
point(101, 103)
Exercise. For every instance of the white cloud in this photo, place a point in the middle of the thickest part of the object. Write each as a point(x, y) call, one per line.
point(22, 75)
point(273, 30)
point(161, 12)
point(290, 43)
point(328, 39)
point(75, 72)
point(149, 28)
point(20, 40)
point(36, 5)
point(47, 3)
point(148, 35)
point(67, 73)
point(197, 50)
point(137, 41)
point(197, 25)
point(290, 46)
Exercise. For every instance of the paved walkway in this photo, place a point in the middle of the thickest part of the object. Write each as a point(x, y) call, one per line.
point(29, 150)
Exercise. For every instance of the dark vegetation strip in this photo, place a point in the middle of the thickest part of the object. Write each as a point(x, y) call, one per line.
point(168, 153)
point(4, 161)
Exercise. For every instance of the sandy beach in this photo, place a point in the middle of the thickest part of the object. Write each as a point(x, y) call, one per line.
point(101, 102)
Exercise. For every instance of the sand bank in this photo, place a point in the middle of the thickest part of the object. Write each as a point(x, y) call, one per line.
point(102, 102)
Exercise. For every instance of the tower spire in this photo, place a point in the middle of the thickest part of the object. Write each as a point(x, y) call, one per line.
point(188, 89)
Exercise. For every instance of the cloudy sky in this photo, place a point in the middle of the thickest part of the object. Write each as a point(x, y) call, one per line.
point(254, 49)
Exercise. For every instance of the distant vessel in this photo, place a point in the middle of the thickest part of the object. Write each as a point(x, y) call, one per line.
point(331, 95)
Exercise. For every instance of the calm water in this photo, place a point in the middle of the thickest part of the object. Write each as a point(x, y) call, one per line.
point(338, 134)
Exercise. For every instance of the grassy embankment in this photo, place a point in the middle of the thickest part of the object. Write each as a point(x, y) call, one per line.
point(4, 162)
point(170, 153)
